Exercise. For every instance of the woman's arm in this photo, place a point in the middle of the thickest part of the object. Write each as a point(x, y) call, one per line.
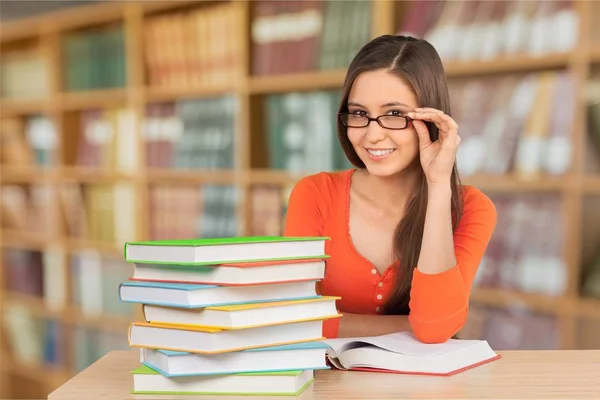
point(441, 284)
point(437, 247)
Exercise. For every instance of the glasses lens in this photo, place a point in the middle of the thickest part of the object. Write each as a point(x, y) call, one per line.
point(354, 121)
point(394, 122)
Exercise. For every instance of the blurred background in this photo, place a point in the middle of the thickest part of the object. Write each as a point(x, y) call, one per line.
point(151, 120)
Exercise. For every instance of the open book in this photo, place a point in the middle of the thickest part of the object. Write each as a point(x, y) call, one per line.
point(403, 353)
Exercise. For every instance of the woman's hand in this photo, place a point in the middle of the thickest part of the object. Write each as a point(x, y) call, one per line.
point(437, 158)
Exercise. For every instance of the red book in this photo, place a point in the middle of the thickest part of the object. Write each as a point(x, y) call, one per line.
point(402, 353)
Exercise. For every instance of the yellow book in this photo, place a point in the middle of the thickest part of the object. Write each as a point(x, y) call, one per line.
point(209, 340)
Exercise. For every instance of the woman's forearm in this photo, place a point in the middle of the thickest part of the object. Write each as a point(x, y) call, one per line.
point(357, 325)
point(437, 247)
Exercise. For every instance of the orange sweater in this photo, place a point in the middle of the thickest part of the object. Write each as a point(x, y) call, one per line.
point(318, 206)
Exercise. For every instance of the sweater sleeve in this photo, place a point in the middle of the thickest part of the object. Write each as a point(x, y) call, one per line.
point(439, 302)
point(305, 214)
point(305, 217)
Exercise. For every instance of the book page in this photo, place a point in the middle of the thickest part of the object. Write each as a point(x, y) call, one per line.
point(400, 342)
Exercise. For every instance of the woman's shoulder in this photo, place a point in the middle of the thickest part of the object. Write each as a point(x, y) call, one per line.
point(476, 204)
point(323, 182)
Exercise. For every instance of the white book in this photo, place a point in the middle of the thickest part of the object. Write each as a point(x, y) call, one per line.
point(233, 274)
point(301, 356)
point(403, 353)
point(210, 251)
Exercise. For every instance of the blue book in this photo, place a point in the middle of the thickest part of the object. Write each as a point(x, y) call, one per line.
point(183, 295)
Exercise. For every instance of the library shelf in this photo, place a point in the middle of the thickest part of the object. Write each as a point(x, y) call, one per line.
point(110, 248)
point(70, 315)
point(591, 184)
point(519, 63)
point(27, 240)
point(102, 98)
point(154, 94)
point(46, 31)
point(23, 106)
point(511, 299)
point(595, 53)
point(97, 175)
point(51, 375)
point(29, 174)
point(494, 183)
point(588, 307)
point(191, 176)
point(302, 81)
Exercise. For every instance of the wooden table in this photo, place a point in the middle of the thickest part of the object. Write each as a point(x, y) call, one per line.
point(563, 374)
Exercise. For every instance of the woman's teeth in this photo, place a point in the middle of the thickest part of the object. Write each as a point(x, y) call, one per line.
point(380, 152)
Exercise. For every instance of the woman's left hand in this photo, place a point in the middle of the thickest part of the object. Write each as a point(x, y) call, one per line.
point(437, 158)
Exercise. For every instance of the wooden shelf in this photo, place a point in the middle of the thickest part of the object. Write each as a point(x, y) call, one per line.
point(158, 94)
point(28, 174)
point(97, 175)
point(595, 53)
point(162, 176)
point(26, 240)
point(505, 298)
point(51, 375)
point(515, 184)
point(589, 307)
point(517, 63)
point(24, 106)
point(74, 245)
point(304, 81)
point(509, 184)
point(317, 80)
point(591, 185)
point(103, 98)
point(68, 314)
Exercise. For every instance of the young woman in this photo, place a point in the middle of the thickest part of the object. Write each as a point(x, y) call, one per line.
point(406, 237)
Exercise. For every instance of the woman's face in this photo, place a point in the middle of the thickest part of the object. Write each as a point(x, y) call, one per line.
point(385, 152)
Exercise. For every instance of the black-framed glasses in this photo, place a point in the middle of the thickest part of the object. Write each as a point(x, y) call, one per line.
point(352, 120)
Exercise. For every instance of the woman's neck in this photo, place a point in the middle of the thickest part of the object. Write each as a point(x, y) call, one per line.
point(392, 190)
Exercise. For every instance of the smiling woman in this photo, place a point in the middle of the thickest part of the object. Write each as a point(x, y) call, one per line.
point(406, 236)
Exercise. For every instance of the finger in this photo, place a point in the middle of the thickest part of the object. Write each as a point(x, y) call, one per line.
point(434, 116)
point(422, 133)
point(444, 122)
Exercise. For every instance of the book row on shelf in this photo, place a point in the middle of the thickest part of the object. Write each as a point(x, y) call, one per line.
point(204, 42)
point(525, 130)
point(516, 257)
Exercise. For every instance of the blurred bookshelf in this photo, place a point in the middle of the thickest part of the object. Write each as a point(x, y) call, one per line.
point(149, 120)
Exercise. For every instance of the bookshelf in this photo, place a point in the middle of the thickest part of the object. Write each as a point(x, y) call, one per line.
point(142, 179)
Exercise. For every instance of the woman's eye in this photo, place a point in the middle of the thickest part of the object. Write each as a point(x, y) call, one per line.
point(395, 112)
point(358, 112)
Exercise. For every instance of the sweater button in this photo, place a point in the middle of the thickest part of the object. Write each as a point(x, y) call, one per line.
point(374, 271)
point(378, 309)
point(380, 284)
point(379, 297)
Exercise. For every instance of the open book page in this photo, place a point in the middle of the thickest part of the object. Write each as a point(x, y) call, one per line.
point(400, 342)
point(403, 353)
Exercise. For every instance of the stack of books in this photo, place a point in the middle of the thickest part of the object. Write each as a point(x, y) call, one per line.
point(228, 315)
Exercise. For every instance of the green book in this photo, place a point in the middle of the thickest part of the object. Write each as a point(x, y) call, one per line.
point(284, 383)
point(213, 251)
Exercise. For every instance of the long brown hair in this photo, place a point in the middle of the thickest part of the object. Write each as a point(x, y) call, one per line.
point(419, 65)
